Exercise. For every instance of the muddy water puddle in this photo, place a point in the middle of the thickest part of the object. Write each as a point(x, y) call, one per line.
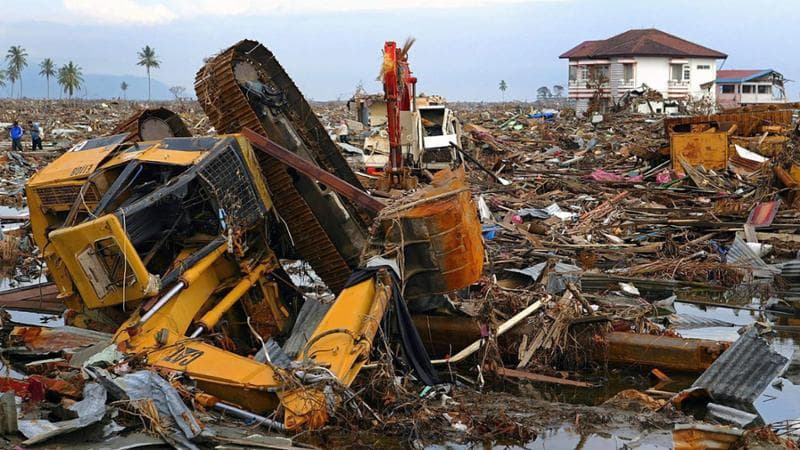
point(717, 318)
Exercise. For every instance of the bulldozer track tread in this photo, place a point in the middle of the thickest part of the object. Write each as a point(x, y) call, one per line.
point(229, 111)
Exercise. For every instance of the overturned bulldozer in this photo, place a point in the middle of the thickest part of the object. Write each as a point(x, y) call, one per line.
point(176, 245)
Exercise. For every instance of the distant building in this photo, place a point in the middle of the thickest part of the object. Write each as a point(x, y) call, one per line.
point(608, 69)
point(734, 88)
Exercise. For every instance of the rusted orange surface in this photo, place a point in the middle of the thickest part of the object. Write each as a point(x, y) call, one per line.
point(53, 340)
point(664, 352)
point(709, 149)
point(451, 237)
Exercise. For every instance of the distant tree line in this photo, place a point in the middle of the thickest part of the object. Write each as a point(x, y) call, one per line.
point(70, 75)
point(542, 93)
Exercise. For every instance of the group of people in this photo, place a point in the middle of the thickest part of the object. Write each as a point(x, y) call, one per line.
point(16, 132)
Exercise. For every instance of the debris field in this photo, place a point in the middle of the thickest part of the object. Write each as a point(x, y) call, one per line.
point(234, 273)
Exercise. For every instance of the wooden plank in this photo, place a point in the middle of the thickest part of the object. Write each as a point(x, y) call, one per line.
point(502, 371)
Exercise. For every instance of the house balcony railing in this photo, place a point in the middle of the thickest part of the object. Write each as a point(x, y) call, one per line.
point(678, 85)
point(626, 84)
point(585, 84)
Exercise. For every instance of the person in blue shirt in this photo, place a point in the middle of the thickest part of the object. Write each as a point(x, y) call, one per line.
point(36, 135)
point(16, 137)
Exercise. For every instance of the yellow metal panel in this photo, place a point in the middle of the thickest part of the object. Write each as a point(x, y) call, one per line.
point(255, 169)
point(174, 157)
point(176, 316)
point(233, 378)
point(128, 155)
point(78, 240)
point(70, 166)
point(709, 149)
point(341, 342)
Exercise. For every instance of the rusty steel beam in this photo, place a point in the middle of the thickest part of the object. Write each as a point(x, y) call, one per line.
point(663, 352)
point(447, 335)
point(312, 171)
point(40, 298)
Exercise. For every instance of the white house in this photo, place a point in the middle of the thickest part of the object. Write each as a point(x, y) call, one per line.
point(608, 69)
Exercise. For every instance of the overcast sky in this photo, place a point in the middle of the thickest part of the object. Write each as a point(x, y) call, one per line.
point(463, 49)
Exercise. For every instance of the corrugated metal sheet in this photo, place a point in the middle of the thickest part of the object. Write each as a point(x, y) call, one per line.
point(790, 271)
point(743, 371)
point(311, 314)
point(557, 281)
point(733, 416)
point(688, 322)
point(741, 254)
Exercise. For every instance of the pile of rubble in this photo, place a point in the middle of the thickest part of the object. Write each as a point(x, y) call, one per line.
point(594, 230)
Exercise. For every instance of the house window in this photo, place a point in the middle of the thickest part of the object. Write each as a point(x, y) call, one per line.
point(727, 88)
point(765, 89)
point(679, 72)
point(573, 73)
point(583, 72)
point(748, 89)
point(627, 73)
point(675, 72)
point(703, 67)
point(599, 73)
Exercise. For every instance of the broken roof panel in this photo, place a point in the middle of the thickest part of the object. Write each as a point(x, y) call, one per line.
point(738, 76)
point(743, 371)
point(644, 42)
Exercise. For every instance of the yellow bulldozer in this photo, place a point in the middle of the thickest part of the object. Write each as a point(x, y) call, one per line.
point(176, 246)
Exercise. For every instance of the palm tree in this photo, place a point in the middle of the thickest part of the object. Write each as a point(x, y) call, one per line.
point(147, 58)
point(12, 75)
point(70, 77)
point(48, 70)
point(2, 78)
point(124, 87)
point(17, 59)
point(503, 87)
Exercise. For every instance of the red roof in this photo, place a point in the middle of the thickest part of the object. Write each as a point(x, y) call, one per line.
point(739, 74)
point(647, 42)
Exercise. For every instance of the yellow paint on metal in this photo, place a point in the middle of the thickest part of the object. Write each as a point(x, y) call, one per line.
point(71, 166)
point(88, 250)
point(235, 379)
point(253, 166)
point(342, 343)
point(213, 316)
point(708, 149)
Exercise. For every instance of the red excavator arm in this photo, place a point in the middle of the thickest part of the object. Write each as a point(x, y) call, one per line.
point(398, 87)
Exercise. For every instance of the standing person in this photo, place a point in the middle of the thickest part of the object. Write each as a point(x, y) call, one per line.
point(16, 137)
point(36, 135)
point(343, 132)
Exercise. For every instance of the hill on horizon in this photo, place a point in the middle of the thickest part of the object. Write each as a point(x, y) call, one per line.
point(95, 86)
